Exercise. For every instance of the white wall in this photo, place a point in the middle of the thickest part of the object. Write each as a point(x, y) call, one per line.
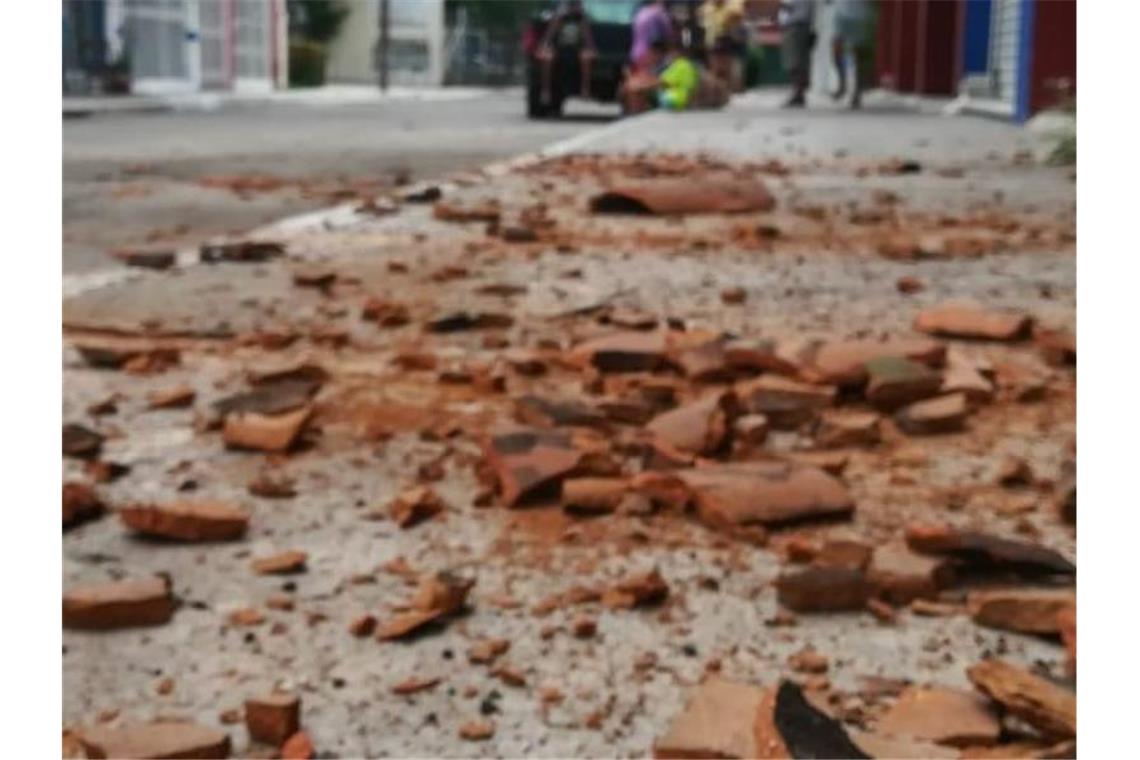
point(350, 53)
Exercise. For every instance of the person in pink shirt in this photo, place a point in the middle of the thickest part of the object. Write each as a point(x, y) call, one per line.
point(651, 24)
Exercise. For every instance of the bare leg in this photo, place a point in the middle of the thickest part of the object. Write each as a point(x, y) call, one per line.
point(547, 61)
point(860, 55)
point(840, 68)
point(587, 61)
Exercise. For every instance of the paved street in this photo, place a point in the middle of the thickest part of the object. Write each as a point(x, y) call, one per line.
point(130, 177)
point(515, 472)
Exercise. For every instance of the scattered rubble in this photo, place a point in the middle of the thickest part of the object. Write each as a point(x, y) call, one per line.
point(273, 718)
point(159, 739)
point(1049, 708)
point(118, 604)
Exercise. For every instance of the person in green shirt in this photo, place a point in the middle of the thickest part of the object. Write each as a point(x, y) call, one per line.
point(673, 86)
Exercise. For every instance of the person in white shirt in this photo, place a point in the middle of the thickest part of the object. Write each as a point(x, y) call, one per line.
point(796, 18)
point(853, 29)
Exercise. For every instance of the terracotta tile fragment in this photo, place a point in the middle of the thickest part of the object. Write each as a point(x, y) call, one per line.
point(118, 604)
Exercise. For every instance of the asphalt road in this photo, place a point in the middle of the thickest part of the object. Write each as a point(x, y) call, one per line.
point(133, 178)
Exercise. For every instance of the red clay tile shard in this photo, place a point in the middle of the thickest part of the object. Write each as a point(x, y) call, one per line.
point(767, 493)
point(806, 730)
point(900, 575)
point(178, 397)
point(699, 427)
point(969, 381)
point(623, 352)
point(942, 414)
point(386, 313)
point(529, 462)
point(265, 432)
point(415, 505)
point(845, 362)
point(273, 718)
point(684, 195)
point(301, 370)
point(477, 730)
point(758, 356)
point(981, 552)
point(971, 321)
point(703, 362)
point(1026, 610)
point(643, 589)
point(788, 404)
point(823, 589)
point(164, 739)
point(414, 684)
point(284, 563)
point(241, 251)
point(1049, 708)
point(718, 720)
point(942, 716)
point(187, 520)
point(80, 503)
point(315, 276)
point(885, 746)
point(110, 354)
point(893, 382)
point(487, 650)
point(1067, 626)
point(270, 398)
point(1057, 347)
point(593, 496)
point(146, 259)
point(118, 604)
point(297, 747)
point(462, 320)
point(837, 429)
point(81, 442)
point(484, 211)
point(269, 486)
point(557, 412)
point(438, 596)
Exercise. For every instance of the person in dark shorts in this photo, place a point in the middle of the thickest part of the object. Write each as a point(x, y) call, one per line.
point(797, 19)
point(568, 34)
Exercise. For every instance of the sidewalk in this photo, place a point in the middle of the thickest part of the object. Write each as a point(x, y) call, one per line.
point(329, 95)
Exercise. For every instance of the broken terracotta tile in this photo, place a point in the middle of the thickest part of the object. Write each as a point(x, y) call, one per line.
point(477, 730)
point(270, 398)
point(718, 720)
point(758, 356)
point(273, 718)
point(894, 382)
point(250, 430)
point(593, 496)
point(702, 360)
point(297, 747)
point(302, 370)
point(806, 730)
point(942, 716)
point(883, 746)
point(438, 596)
point(538, 411)
point(414, 684)
point(1026, 610)
point(768, 493)
point(823, 589)
point(187, 520)
point(689, 195)
point(246, 617)
point(842, 428)
point(80, 503)
point(831, 462)
point(971, 321)
point(808, 660)
point(843, 551)
point(967, 380)
point(900, 575)
point(462, 320)
point(110, 354)
point(942, 414)
point(907, 285)
point(734, 295)
point(415, 505)
point(285, 563)
point(699, 427)
point(984, 552)
point(362, 626)
point(269, 486)
point(1049, 708)
point(643, 589)
point(386, 313)
point(623, 352)
point(750, 430)
point(118, 604)
point(1014, 471)
point(845, 362)
point(487, 651)
point(159, 739)
point(241, 251)
point(1067, 626)
point(1057, 347)
point(786, 403)
point(81, 442)
point(528, 462)
point(178, 397)
point(161, 258)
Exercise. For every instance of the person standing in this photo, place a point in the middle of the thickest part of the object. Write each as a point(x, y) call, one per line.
point(796, 18)
point(568, 34)
point(853, 29)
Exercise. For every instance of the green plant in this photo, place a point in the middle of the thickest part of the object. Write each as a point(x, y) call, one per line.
point(1065, 151)
point(306, 63)
point(316, 20)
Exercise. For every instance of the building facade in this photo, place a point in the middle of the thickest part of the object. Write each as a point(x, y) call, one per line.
point(416, 41)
